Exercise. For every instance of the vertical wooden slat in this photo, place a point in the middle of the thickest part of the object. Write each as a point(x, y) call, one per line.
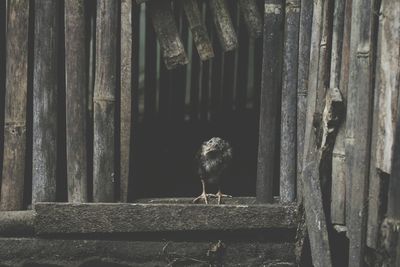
point(306, 15)
point(387, 90)
point(45, 102)
point(12, 187)
point(199, 31)
point(104, 102)
point(269, 108)
point(3, 23)
point(358, 124)
point(242, 68)
point(206, 72)
point(289, 99)
point(195, 84)
point(223, 24)
point(76, 103)
point(310, 176)
point(150, 80)
point(217, 67)
point(128, 58)
point(338, 177)
point(251, 17)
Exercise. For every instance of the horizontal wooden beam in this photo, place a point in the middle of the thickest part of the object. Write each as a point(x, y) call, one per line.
point(17, 223)
point(57, 252)
point(65, 218)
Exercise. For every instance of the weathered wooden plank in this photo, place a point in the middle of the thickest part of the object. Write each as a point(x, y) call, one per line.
point(45, 102)
point(89, 252)
point(129, 83)
point(387, 90)
point(310, 176)
point(338, 194)
point(198, 29)
point(358, 124)
point(104, 102)
point(217, 81)
point(288, 105)
point(306, 14)
point(270, 99)
point(66, 218)
point(167, 33)
point(76, 103)
point(3, 23)
point(13, 172)
point(17, 223)
point(150, 78)
point(195, 85)
point(251, 17)
point(223, 24)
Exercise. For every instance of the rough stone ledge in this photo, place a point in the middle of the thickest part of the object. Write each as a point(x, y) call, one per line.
point(57, 252)
point(94, 218)
point(17, 223)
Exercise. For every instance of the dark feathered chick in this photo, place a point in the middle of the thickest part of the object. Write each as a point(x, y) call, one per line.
point(213, 160)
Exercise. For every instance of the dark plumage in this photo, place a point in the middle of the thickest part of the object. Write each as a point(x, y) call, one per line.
point(213, 160)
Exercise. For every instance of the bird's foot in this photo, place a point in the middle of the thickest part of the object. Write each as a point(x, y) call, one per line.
point(204, 196)
point(220, 195)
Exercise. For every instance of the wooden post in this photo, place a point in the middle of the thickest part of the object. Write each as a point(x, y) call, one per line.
point(12, 187)
point(338, 177)
point(45, 102)
point(310, 176)
point(129, 82)
point(195, 85)
point(76, 103)
point(104, 102)
point(306, 15)
point(288, 107)
point(167, 33)
point(223, 24)
point(251, 17)
point(3, 54)
point(242, 66)
point(270, 99)
point(387, 92)
point(358, 124)
point(199, 31)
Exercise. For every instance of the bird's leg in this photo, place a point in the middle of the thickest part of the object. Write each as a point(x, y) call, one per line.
point(203, 195)
point(220, 195)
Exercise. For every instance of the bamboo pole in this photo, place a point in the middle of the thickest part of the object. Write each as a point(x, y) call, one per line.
point(198, 29)
point(45, 102)
point(223, 24)
point(252, 17)
point(387, 92)
point(338, 178)
point(76, 103)
point(12, 187)
point(270, 98)
point(288, 106)
point(306, 15)
point(104, 102)
point(358, 124)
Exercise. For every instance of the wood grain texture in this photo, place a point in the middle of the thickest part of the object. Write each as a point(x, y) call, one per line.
point(338, 178)
point(104, 102)
point(306, 15)
point(385, 114)
point(288, 105)
point(223, 24)
point(359, 123)
point(198, 29)
point(14, 157)
point(270, 97)
point(166, 30)
point(76, 103)
point(45, 102)
point(66, 218)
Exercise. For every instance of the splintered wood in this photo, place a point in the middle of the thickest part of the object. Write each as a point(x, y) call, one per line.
point(167, 33)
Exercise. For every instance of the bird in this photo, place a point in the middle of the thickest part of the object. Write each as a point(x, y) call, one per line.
point(213, 160)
